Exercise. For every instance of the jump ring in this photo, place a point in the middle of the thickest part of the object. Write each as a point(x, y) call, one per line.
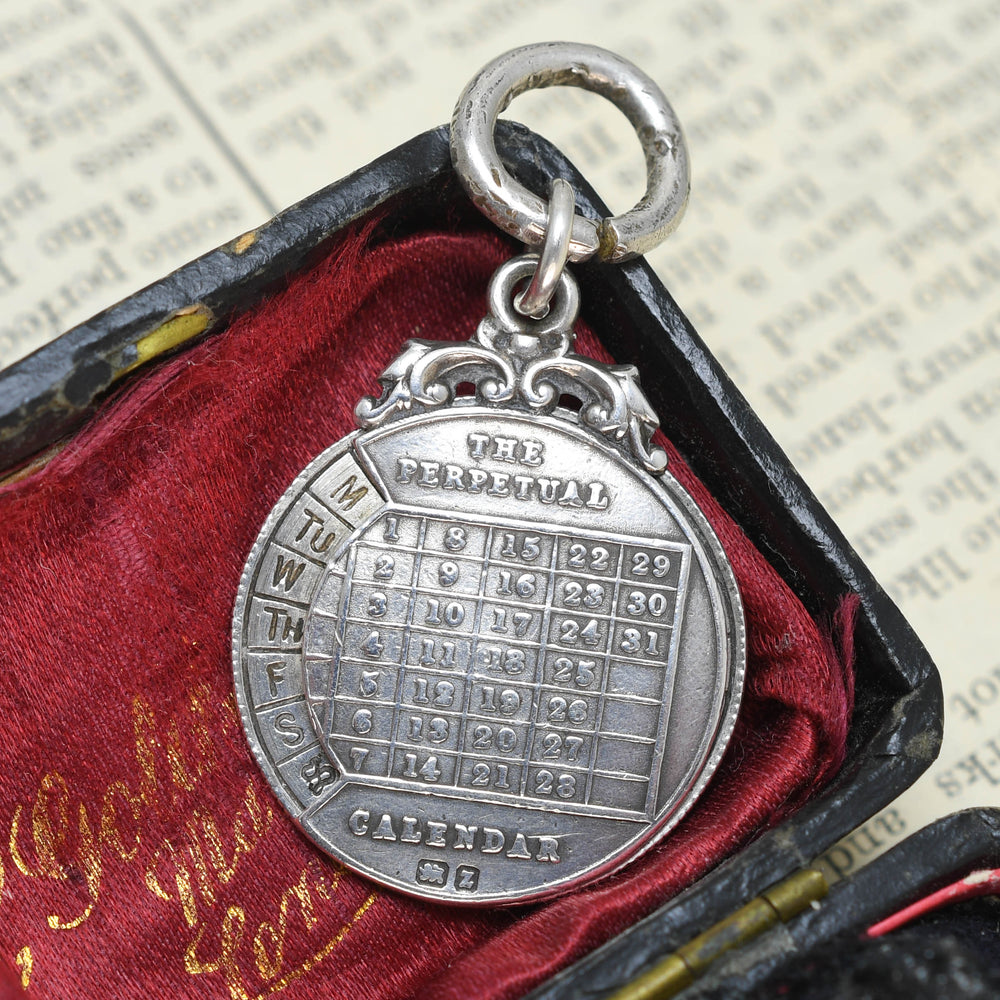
point(522, 214)
point(534, 300)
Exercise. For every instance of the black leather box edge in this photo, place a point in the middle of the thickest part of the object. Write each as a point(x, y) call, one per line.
point(944, 852)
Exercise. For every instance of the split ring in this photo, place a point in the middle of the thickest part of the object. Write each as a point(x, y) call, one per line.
point(522, 214)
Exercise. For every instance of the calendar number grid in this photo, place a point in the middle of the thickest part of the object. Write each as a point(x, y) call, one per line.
point(484, 658)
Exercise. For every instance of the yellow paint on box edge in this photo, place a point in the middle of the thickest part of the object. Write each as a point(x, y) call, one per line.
point(185, 324)
point(244, 242)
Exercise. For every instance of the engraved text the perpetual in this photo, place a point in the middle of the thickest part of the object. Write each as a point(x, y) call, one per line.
point(433, 475)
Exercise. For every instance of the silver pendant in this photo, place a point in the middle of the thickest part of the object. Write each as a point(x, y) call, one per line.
point(486, 648)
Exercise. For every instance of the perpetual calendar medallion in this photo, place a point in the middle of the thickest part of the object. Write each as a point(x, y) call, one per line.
point(486, 648)
point(480, 655)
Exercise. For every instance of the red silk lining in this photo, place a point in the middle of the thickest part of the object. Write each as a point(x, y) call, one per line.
point(143, 854)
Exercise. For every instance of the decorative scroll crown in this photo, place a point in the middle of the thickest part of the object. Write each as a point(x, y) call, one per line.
point(521, 364)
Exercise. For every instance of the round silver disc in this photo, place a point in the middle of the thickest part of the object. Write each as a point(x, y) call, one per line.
point(482, 658)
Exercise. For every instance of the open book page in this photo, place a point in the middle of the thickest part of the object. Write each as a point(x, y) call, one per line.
point(841, 251)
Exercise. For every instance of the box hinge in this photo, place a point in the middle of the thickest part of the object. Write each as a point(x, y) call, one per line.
point(677, 971)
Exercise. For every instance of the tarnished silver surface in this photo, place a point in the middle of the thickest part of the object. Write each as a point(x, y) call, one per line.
point(482, 652)
point(519, 212)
